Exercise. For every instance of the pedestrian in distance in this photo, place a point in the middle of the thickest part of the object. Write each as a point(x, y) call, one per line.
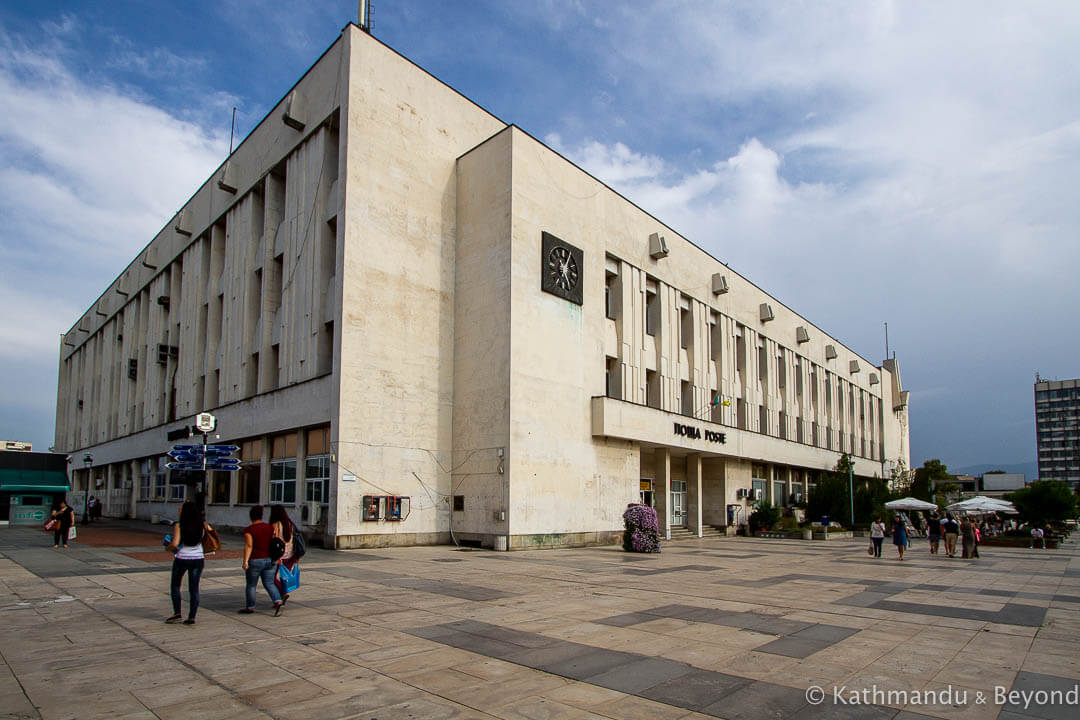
point(1037, 536)
point(258, 563)
point(187, 546)
point(877, 535)
point(933, 531)
point(65, 519)
point(951, 530)
point(967, 538)
point(899, 535)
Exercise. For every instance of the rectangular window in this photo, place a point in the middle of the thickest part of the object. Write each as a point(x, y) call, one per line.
point(248, 480)
point(686, 392)
point(144, 480)
point(612, 288)
point(159, 481)
point(686, 323)
point(613, 386)
point(177, 491)
point(652, 389)
point(317, 479)
point(652, 308)
point(220, 486)
point(283, 481)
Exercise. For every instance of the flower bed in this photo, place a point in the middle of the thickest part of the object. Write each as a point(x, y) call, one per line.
point(642, 532)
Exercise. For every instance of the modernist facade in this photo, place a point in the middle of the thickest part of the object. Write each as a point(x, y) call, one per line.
point(1057, 429)
point(420, 324)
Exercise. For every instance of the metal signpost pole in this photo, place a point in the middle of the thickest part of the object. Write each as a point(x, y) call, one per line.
point(851, 490)
point(88, 459)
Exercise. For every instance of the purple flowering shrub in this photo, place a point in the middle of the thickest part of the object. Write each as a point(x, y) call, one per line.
point(642, 532)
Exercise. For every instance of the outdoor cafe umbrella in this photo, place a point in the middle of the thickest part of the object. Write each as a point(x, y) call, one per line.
point(983, 504)
point(910, 503)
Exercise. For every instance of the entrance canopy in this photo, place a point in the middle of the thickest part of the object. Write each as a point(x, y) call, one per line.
point(35, 481)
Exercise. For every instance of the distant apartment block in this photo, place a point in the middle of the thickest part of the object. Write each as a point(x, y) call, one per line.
point(1057, 429)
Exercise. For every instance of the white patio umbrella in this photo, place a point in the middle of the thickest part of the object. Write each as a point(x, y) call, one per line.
point(910, 503)
point(983, 504)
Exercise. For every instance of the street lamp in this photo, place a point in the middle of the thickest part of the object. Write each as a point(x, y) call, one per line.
point(88, 461)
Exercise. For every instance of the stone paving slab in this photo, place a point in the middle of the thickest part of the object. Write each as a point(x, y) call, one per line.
point(437, 632)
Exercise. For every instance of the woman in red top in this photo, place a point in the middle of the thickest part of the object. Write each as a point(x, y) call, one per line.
point(257, 562)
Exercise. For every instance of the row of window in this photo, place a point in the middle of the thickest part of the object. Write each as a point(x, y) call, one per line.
point(285, 473)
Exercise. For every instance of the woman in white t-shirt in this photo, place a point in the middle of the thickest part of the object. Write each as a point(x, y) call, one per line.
point(187, 537)
point(877, 535)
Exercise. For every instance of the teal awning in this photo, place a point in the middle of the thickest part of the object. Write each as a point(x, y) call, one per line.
point(43, 481)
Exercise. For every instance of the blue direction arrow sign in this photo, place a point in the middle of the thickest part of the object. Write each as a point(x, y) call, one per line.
point(224, 466)
point(220, 450)
point(184, 466)
point(186, 457)
point(194, 449)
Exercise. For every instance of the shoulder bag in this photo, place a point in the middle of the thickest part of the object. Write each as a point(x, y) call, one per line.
point(211, 541)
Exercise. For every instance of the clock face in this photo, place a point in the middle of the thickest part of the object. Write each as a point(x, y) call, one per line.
point(561, 271)
point(563, 268)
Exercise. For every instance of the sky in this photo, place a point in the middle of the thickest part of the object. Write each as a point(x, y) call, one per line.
point(865, 162)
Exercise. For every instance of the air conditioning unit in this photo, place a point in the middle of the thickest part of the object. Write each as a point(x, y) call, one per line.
point(758, 494)
point(658, 247)
point(741, 493)
point(314, 513)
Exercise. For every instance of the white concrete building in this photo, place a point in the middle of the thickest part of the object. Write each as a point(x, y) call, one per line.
point(417, 321)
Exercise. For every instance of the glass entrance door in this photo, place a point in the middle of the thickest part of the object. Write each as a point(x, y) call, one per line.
point(678, 502)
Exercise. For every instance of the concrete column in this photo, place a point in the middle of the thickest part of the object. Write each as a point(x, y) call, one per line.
point(662, 489)
point(693, 489)
point(133, 493)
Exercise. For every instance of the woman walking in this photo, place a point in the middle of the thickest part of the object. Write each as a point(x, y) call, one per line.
point(65, 518)
point(186, 544)
point(899, 535)
point(258, 563)
point(284, 529)
point(877, 535)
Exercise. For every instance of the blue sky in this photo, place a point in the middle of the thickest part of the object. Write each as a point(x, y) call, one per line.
point(862, 161)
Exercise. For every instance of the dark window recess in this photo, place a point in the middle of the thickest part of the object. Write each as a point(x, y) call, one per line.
point(163, 301)
point(164, 352)
point(120, 337)
point(459, 503)
point(133, 368)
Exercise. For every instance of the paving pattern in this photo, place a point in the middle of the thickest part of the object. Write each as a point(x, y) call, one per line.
point(730, 628)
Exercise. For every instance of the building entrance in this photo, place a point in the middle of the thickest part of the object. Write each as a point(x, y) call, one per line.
point(678, 502)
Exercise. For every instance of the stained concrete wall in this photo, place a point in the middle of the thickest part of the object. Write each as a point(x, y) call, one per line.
point(404, 131)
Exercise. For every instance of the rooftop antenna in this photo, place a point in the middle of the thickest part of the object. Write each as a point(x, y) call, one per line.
point(364, 13)
point(886, 341)
point(232, 130)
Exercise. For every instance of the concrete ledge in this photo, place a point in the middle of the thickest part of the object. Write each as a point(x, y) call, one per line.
point(351, 542)
point(559, 540)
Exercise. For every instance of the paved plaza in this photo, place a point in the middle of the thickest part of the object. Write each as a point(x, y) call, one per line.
point(732, 628)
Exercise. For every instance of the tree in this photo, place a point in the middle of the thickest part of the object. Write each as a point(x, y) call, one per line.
point(1044, 501)
point(765, 515)
point(928, 477)
point(831, 495)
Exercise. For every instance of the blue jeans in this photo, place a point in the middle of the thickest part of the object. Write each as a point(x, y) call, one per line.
point(266, 569)
point(194, 569)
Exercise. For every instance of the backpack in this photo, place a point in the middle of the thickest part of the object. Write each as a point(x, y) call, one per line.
point(276, 549)
point(299, 546)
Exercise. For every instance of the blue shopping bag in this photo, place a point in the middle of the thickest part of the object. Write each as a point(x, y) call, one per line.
point(288, 578)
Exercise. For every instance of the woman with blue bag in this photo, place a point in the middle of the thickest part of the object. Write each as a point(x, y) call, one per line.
point(288, 570)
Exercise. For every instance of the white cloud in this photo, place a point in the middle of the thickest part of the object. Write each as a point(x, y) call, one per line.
point(89, 173)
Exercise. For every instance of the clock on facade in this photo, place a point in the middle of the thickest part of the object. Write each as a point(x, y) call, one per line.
point(561, 268)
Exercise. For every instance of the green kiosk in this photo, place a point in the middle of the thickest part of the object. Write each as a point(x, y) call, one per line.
point(29, 483)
